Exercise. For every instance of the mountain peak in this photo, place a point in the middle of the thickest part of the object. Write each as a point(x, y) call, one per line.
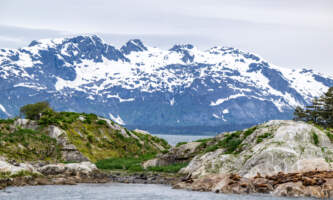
point(135, 45)
point(94, 39)
point(181, 47)
point(184, 49)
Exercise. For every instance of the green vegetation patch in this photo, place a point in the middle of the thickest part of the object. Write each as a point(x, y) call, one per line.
point(28, 145)
point(97, 141)
point(7, 121)
point(230, 142)
point(204, 140)
point(127, 163)
point(329, 135)
point(134, 164)
point(180, 143)
point(22, 173)
point(315, 138)
point(90, 134)
point(260, 138)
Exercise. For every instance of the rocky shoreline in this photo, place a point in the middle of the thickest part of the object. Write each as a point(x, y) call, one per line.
point(145, 177)
point(318, 184)
point(51, 174)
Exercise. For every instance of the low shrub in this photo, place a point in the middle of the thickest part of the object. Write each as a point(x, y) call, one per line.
point(128, 163)
point(260, 138)
point(180, 143)
point(101, 122)
point(315, 138)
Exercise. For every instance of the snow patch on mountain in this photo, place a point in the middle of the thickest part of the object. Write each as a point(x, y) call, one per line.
point(222, 100)
point(119, 98)
point(117, 119)
point(31, 85)
point(3, 109)
point(219, 86)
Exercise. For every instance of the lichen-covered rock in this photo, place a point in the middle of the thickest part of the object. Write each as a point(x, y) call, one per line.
point(275, 146)
point(69, 151)
point(50, 174)
point(11, 169)
point(83, 168)
point(26, 123)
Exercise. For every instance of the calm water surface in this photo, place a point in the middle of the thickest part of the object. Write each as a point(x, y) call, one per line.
point(116, 191)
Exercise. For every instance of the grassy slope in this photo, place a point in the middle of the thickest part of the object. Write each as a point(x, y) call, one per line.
point(91, 136)
point(26, 144)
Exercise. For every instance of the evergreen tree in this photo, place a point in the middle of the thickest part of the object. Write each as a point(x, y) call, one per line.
point(320, 112)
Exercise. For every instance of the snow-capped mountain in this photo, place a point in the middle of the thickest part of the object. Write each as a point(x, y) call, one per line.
point(182, 89)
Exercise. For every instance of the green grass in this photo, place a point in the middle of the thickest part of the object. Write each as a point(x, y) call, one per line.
point(29, 145)
point(249, 131)
point(128, 163)
point(7, 121)
point(204, 140)
point(231, 142)
point(133, 164)
point(315, 138)
point(90, 135)
point(260, 138)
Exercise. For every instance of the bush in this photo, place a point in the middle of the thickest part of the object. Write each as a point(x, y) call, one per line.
point(249, 131)
point(34, 111)
point(7, 121)
point(231, 142)
point(101, 122)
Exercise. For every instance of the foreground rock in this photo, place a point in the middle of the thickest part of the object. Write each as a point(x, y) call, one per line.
point(145, 177)
point(273, 147)
point(318, 184)
point(181, 154)
point(50, 174)
point(283, 158)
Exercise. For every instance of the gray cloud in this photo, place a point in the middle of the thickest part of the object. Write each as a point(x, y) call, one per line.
point(297, 33)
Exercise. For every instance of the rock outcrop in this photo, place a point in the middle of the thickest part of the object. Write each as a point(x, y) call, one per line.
point(283, 158)
point(50, 174)
point(273, 147)
point(180, 154)
point(318, 184)
point(69, 151)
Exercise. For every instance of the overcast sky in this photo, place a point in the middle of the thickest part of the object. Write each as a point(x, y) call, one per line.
point(289, 33)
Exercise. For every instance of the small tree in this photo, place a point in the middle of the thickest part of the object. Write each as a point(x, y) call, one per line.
point(320, 112)
point(34, 111)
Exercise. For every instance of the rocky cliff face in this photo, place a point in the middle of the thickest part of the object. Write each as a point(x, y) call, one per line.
point(273, 147)
point(283, 158)
point(180, 90)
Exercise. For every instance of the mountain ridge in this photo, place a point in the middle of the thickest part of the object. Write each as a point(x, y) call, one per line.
point(219, 89)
